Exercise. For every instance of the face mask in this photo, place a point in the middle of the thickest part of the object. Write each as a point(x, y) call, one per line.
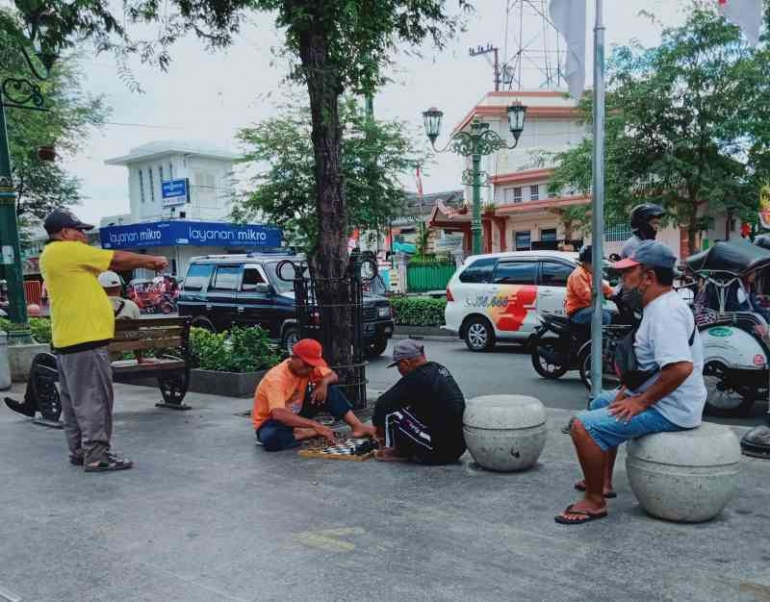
point(633, 299)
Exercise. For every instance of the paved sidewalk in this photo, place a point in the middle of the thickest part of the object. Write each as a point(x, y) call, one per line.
point(206, 515)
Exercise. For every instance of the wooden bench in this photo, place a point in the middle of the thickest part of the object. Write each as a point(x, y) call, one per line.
point(169, 338)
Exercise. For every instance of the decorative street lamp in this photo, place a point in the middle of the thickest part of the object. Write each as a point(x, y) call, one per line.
point(18, 93)
point(479, 142)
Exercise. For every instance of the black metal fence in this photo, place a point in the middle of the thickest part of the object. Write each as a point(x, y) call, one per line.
point(341, 296)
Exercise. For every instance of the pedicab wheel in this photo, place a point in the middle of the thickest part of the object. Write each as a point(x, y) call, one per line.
point(723, 398)
point(544, 367)
point(204, 323)
point(167, 308)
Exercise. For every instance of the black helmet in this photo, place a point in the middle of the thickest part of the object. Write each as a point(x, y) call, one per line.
point(585, 255)
point(640, 220)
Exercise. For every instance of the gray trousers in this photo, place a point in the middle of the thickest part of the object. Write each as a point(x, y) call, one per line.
point(85, 380)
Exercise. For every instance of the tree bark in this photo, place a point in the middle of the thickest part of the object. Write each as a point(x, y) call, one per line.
point(330, 260)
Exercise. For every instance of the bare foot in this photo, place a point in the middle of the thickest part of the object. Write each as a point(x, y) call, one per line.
point(364, 430)
point(389, 454)
point(581, 512)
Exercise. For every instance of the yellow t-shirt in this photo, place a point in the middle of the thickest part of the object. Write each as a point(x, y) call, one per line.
point(279, 388)
point(80, 309)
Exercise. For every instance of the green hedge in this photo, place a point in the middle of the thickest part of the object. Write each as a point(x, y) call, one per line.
point(239, 350)
point(418, 311)
point(40, 327)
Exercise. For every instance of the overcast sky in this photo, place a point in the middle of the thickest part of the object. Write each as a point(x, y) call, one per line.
point(207, 96)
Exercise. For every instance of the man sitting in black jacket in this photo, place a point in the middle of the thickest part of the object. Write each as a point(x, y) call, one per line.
point(421, 417)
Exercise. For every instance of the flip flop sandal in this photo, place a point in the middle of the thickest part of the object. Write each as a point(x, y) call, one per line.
point(585, 517)
point(568, 427)
point(610, 495)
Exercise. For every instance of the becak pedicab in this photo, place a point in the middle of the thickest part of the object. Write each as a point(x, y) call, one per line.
point(733, 326)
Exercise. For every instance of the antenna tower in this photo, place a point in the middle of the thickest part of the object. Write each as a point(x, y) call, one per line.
point(533, 52)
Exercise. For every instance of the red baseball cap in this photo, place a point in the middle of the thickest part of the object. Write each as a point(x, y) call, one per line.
point(310, 352)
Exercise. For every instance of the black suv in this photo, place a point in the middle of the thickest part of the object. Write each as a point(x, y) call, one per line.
point(222, 290)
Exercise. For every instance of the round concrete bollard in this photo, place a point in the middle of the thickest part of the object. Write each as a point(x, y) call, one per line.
point(505, 433)
point(685, 476)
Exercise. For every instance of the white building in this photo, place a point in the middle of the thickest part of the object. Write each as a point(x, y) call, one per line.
point(209, 171)
point(180, 201)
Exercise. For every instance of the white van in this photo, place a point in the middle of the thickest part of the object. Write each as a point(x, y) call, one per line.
point(497, 297)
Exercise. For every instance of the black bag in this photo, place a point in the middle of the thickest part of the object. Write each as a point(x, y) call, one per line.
point(626, 365)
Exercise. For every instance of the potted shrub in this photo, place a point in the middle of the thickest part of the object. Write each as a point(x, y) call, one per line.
point(230, 363)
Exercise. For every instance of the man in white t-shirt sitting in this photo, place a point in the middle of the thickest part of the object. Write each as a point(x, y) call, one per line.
point(671, 393)
point(123, 308)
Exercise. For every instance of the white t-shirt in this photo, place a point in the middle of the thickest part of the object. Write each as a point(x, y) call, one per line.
point(663, 338)
point(129, 309)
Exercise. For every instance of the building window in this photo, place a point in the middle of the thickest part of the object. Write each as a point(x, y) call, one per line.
point(170, 171)
point(552, 193)
point(548, 235)
point(517, 194)
point(534, 193)
point(141, 185)
point(160, 174)
point(152, 184)
point(522, 241)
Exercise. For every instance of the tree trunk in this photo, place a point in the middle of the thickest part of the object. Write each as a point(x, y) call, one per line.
point(331, 257)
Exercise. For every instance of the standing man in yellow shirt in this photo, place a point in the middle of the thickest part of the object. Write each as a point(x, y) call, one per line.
point(82, 325)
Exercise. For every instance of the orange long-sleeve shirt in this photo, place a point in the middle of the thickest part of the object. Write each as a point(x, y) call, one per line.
point(579, 286)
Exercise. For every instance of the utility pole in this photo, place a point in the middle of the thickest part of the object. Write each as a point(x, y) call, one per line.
point(480, 50)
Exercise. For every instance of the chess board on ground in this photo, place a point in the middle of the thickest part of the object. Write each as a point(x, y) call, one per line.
point(353, 450)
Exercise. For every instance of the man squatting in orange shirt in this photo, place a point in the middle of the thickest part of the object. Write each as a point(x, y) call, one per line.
point(284, 404)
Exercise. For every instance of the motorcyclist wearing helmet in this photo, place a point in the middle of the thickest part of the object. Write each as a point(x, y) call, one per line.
point(645, 222)
point(577, 302)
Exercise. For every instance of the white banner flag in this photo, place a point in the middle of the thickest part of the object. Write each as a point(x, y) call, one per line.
point(569, 18)
point(746, 14)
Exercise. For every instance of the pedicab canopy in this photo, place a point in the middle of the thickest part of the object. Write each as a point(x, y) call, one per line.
point(730, 259)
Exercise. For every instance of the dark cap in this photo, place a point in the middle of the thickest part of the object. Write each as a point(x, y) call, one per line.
point(59, 219)
point(406, 350)
point(650, 253)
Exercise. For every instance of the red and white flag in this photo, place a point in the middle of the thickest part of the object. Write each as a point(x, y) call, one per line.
point(746, 14)
point(569, 18)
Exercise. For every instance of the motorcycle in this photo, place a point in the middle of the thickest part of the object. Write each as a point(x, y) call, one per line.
point(559, 345)
point(735, 343)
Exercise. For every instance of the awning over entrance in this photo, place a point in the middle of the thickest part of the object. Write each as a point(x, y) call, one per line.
point(190, 233)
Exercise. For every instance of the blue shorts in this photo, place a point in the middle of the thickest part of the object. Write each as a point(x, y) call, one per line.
point(608, 432)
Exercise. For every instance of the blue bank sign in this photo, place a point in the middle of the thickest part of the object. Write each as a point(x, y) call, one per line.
point(175, 192)
point(183, 232)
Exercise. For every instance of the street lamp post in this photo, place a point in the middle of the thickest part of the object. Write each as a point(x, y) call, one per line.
point(17, 93)
point(481, 141)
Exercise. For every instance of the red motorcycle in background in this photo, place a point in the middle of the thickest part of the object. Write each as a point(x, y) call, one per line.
point(158, 295)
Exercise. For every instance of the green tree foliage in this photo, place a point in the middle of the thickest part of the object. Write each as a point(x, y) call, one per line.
point(374, 155)
point(687, 124)
point(336, 45)
point(71, 112)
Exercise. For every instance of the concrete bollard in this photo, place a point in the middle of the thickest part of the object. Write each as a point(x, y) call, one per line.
point(685, 476)
point(505, 433)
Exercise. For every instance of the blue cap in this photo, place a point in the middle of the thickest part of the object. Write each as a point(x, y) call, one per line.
point(650, 253)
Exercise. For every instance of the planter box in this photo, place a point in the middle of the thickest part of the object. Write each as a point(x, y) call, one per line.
point(226, 384)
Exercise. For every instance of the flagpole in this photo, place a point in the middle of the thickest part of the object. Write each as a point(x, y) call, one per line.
point(597, 214)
